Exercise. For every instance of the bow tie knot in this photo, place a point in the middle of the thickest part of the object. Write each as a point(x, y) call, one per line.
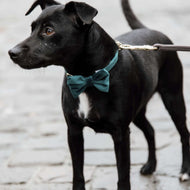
point(89, 80)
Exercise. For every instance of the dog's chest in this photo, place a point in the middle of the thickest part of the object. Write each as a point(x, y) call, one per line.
point(84, 106)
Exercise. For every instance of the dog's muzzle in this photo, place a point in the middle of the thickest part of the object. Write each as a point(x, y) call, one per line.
point(17, 53)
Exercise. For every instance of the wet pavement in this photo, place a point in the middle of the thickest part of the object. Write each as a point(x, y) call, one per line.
point(33, 147)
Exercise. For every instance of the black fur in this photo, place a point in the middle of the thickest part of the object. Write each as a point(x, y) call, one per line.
point(81, 46)
point(43, 4)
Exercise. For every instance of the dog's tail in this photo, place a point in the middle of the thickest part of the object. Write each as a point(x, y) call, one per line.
point(133, 21)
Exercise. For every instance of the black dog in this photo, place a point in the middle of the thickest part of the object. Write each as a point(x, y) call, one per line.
point(68, 36)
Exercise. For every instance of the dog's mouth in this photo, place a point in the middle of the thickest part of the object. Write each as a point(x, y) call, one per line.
point(29, 63)
point(26, 62)
point(32, 65)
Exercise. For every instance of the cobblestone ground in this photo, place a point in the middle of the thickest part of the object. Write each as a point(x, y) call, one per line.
point(33, 147)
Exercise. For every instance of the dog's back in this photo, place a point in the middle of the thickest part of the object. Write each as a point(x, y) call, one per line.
point(141, 35)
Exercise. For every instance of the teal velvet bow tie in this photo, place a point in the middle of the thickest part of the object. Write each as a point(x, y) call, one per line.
point(100, 79)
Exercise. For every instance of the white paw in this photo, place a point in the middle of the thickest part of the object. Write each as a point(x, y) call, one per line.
point(184, 177)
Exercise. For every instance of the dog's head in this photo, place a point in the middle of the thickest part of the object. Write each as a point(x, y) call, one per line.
point(57, 35)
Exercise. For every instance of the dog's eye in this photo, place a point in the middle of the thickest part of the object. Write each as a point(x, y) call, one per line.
point(49, 31)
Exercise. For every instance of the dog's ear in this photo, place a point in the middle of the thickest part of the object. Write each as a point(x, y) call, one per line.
point(43, 4)
point(83, 11)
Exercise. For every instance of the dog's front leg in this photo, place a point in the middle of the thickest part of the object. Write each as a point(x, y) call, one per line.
point(122, 151)
point(76, 145)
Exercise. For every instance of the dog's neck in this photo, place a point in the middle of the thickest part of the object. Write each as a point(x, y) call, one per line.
point(99, 49)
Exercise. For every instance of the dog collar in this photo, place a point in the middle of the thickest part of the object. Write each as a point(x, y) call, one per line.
point(100, 79)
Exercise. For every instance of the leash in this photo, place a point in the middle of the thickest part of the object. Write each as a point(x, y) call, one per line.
point(155, 47)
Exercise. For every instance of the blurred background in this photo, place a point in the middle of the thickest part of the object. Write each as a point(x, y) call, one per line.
point(33, 143)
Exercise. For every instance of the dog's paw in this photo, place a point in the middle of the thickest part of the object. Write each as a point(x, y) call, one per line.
point(148, 168)
point(185, 172)
point(184, 177)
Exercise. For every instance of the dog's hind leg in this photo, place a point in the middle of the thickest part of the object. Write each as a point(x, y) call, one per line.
point(171, 90)
point(142, 123)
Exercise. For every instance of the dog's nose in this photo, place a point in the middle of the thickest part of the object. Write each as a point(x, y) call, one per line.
point(13, 54)
point(16, 52)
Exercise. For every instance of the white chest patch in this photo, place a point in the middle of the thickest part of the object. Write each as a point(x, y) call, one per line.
point(84, 106)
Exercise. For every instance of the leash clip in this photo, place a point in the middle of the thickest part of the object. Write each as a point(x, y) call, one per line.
point(131, 47)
